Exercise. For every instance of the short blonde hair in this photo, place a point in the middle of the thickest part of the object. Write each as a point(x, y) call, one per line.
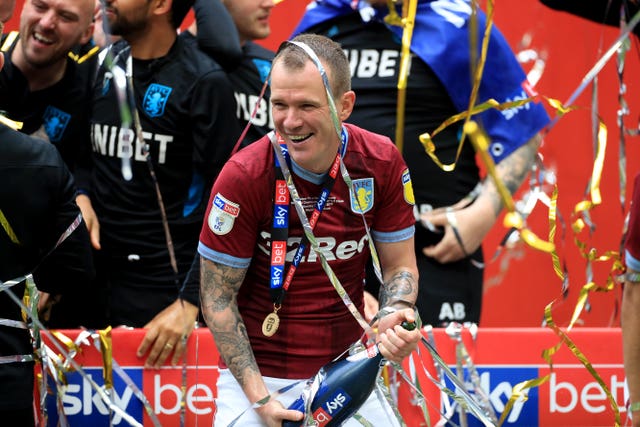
point(330, 54)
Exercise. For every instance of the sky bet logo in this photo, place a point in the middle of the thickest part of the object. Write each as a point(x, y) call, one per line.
point(84, 407)
point(334, 404)
point(498, 384)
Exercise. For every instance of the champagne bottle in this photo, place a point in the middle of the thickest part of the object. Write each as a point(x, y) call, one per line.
point(344, 386)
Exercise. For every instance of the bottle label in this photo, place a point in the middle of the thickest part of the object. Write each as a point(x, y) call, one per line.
point(332, 407)
point(367, 353)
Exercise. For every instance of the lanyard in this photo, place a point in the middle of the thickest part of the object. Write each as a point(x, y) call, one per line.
point(280, 226)
point(279, 283)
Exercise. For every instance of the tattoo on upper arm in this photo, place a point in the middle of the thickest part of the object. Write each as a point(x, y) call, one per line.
point(402, 286)
point(219, 287)
point(513, 169)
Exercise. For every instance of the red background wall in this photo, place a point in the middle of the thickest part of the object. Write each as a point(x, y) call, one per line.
point(521, 282)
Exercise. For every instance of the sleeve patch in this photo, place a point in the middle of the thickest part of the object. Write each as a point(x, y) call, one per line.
point(222, 215)
point(407, 187)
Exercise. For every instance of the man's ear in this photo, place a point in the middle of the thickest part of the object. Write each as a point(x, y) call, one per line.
point(162, 7)
point(345, 107)
point(87, 34)
point(1, 60)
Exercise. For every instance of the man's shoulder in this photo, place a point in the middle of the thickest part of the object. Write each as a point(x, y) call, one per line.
point(19, 148)
point(190, 56)
point(370, 145)
point(361, 135)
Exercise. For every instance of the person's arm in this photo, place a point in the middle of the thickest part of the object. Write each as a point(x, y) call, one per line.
point(212, 112)
point(474, 221)
point(600, 11)
point(70, 263)
point(169, 330)
point(219, 286)
point(630, 312)
point(399, 292)
point(630, 323)
point(216, 33)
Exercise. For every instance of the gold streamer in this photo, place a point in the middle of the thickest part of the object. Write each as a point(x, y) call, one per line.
point(426, 139)
point(407, 22)
point(7, 227)
point(518, 391)
point(512, 218)
point(80, 59)
point(555, 259)
point(10, 123)
point(579, 355)
point(106, 349)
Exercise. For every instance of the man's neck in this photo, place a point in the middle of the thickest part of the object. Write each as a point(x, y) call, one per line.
point(38, 78)
point(153, 43)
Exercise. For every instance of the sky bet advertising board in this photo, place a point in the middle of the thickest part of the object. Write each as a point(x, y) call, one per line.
point(502, 358)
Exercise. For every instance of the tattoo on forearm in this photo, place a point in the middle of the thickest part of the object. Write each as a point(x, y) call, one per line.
point(513, 169)
point(402, 286)
point(219, 286)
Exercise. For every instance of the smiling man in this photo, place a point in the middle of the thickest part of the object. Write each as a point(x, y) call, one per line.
point(47, 90)
point(40, 84)
point(253, 242)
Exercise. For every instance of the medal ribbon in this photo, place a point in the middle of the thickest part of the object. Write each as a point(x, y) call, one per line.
point(280, 226)
point(308, 233)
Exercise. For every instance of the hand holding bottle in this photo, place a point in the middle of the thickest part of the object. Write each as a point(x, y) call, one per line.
point(274, 414)
point(344, 385)
point(394, 341)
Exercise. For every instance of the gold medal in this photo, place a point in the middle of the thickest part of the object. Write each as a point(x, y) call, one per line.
point(270, 324)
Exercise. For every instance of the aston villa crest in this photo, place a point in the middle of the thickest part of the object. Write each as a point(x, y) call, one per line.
point(361, 193)
point(55, 122)
point(155, 99)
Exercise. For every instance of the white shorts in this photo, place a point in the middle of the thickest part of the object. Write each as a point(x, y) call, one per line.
point(232, 403)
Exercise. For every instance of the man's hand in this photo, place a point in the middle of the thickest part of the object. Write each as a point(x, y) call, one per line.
point(273, 413)
point(165, 333)
point(472, 224)
point(90, 219)
point(394, 341)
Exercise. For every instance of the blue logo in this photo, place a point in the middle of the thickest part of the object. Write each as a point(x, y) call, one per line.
point(497, 383)
point(155, 99)
point(55, 122)
point(264, 68)
point(280, 217)
point(361, 195)
point(83, 405)
point(336, 401)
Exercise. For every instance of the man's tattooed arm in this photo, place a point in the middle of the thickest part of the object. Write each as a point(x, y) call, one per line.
point(219, 286)
point(400, 274)
point(512, 170)
point(400, 291)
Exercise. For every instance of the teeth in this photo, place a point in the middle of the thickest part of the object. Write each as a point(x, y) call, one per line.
point(299, 137)
point(42, 39)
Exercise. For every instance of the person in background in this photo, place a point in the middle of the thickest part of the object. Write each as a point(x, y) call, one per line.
point(630, 312)
point(6, 10)
point(47, 90)
point(41, 85)
point(182, 133)
point(455, 210)
point(247, 68)
point(242, 254)
point(36, 210)
point(606, 12)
